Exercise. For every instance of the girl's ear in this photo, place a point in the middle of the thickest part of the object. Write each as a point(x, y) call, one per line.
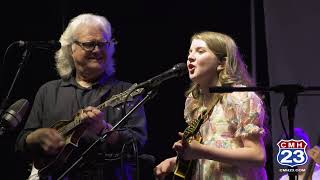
point(222, 64)
point(220, 67)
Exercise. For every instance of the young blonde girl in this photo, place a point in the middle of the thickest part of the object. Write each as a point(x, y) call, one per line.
point(232, 144)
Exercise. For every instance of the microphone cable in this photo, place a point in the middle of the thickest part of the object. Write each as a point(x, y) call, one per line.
point(6, 52)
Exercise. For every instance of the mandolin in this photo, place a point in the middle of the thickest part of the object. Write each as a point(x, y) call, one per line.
point(71, 131)
point(184, 167)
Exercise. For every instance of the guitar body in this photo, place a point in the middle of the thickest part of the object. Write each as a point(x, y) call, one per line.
point(183, 169)
point(51, 165)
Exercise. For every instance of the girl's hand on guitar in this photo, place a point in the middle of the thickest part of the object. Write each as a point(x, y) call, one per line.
point(314, 153)
point(187, 149)
point(94, 118)
point(164, 168)
point(49, 140)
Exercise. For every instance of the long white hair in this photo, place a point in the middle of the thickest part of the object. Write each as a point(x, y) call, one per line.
point(64, 62)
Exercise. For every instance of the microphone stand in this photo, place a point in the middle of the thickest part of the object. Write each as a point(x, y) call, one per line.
point(102, 138)
point(290, 92)
point(25, 58)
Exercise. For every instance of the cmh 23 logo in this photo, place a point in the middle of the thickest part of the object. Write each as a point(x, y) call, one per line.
point(292, 152)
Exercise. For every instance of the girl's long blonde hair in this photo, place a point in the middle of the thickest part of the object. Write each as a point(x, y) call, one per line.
point(234, 71)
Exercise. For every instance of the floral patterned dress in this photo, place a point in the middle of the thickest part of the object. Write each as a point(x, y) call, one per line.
point(236, 115)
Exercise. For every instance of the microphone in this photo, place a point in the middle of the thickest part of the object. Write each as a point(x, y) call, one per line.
point(13, 115)
point(47, 45)
point(176, 71)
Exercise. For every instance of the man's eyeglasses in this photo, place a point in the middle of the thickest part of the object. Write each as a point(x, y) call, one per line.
point(91, 45)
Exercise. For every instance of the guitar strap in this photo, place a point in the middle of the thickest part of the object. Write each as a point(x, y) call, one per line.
point(216, 99)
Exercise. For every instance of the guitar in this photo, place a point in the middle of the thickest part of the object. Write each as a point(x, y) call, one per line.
point(71, 131)
point(183, 167)
point(309, 171)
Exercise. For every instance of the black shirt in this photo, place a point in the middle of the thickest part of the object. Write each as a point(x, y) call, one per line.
point(61, 99)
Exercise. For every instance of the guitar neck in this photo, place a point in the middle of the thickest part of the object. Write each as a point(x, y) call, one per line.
point(113, 101)
point(70, 126)
point(194, 126)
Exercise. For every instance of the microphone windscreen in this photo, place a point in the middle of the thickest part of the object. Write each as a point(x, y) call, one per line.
point(181, 68)
point(14, 114)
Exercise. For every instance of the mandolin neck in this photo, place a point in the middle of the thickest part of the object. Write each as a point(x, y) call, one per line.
point(113, 101)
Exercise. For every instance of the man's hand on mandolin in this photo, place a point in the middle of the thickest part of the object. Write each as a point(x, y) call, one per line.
point(97, 124)
point(48, 139)
point(94, 119)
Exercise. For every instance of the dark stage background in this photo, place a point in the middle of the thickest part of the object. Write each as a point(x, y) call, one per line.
point(152, 37)
point(292, 34)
